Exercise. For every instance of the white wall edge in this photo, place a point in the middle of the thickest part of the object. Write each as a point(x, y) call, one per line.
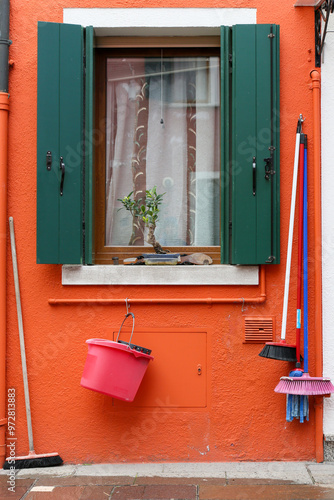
point(327, 113)
point(159, 21)
point(160, 275)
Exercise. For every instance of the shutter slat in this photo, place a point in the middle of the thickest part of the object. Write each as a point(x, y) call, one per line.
point(48, 140)
point(59, 130)
point(225, 36)
point(71, 142)
point(89, 125)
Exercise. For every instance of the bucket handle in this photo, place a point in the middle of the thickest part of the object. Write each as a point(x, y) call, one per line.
point(133, 325)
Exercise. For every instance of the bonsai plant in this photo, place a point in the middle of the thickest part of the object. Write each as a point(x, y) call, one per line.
point(147, 212)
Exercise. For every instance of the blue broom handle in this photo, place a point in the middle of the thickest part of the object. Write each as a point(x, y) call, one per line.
point(305, 259)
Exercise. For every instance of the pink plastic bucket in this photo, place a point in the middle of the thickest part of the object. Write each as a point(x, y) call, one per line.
point(114, 369)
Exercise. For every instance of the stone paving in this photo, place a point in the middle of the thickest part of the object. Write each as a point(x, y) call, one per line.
point(181, 481)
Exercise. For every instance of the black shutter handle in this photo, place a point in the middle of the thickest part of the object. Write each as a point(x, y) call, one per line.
point(254, 175)
point(62, 168)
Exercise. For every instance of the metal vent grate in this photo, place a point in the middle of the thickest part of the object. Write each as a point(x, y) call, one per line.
point(259, 329)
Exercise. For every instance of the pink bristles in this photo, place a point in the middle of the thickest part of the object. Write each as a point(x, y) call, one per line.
point(305, 385)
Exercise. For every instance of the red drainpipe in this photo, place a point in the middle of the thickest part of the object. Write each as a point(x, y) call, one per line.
point(4, 108)
point(319, 439)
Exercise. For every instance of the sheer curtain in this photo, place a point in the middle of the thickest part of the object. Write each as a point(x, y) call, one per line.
point(163, 130)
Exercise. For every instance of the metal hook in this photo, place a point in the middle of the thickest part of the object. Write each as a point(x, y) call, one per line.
point(127, 306)
point(243, 303)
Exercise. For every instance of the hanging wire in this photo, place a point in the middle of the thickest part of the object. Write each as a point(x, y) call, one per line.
point(161, 88)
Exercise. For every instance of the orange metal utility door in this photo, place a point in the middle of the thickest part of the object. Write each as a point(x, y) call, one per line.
point(177, 377)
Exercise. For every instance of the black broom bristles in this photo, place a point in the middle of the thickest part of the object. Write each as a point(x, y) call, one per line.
point(35, 461)
point(282, 352)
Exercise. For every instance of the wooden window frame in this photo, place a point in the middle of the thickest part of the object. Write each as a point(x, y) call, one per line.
point(108, 47)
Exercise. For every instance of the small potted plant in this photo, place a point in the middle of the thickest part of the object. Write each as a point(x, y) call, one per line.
point(146, 210)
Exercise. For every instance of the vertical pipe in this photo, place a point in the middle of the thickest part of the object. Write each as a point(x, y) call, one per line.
point(4, 44)
point(4, 109)
point(319, 444)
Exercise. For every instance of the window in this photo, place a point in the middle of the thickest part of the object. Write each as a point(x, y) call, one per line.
point(161, 107)
point(240, 225)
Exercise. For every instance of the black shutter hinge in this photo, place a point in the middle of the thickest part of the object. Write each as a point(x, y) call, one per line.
point(48, 160)
point(269, 164)
point(271, 35)
point(268, 168)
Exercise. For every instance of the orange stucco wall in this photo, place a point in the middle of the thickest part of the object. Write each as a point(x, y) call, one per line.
point(244, 419)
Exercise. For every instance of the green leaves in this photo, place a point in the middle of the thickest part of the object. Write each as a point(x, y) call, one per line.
point(146, 210)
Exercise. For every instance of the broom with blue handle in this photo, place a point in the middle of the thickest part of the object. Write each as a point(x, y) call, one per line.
point(305, 385)
point(294, 404)
point(297, 406)
point(298, 371)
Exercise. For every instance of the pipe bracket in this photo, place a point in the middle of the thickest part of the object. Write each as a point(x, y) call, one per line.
point(5, 41)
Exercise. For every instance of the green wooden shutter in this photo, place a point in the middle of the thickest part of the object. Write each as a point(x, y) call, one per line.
point(60, 132)
point(253, 132)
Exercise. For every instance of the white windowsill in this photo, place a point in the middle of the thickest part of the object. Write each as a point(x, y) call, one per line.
point(160, 275)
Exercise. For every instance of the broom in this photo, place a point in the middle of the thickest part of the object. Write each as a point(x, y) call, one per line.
point(31, 460)
point(297, 406)
point(305, 385)
point(281, 350)
point(302, 156)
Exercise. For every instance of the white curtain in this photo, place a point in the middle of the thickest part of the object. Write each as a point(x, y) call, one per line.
point(163, 130)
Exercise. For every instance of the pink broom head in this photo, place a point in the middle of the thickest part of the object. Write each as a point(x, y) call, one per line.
point(305, 386)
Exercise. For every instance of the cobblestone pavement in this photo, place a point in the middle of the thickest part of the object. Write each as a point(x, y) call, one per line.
point(206, 481)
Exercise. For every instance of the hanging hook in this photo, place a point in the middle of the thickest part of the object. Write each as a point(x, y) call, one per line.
point(127, 306)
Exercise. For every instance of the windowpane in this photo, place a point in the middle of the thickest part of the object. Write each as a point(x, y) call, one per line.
point(162, 129)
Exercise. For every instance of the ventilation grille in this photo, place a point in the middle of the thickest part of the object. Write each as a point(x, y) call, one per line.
point(259, 329)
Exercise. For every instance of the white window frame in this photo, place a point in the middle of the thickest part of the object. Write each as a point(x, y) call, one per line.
point(159, 22)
